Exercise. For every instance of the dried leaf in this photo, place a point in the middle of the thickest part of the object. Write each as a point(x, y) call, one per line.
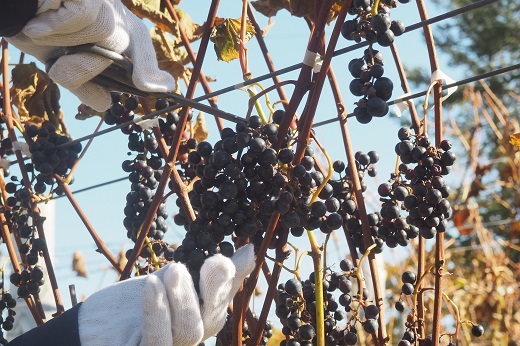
point(297, 8)
point(200, 133)
point(515, 139)
point(226, 37)
point(268, 8)
point(37, 97)
point(85, 112)
point(78, 264)
point(153, 10)
point(460, 219)
point(171, 59)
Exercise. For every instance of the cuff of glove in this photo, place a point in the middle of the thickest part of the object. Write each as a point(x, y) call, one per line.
point(60, 331)
point(15, 14)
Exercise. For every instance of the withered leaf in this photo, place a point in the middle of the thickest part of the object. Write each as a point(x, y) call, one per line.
point(36, 97)
point(200, 133)
point(226, 37)
point(514, 139)
point(155, 11)
point(297, 8)
point(78, 264)
point(171, 59)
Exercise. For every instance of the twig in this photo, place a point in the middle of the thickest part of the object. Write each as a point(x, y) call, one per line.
point(439, 241)
point(170, 162)
point(101, 247)
point(191, 55)
point(358, 193)
point(37, 219)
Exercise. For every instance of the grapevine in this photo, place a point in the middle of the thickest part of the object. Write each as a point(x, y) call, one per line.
point(264, 182)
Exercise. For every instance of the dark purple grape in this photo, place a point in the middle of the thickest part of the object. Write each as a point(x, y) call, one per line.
point(397, 27)
point(385, 39)
point(380, 23)
point(348, 28)
point(377, 107)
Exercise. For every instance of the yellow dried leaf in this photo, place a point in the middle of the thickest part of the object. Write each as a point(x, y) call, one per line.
point(515, 139)
point(37, 97)
point(78, 264)
point(200, 133)
point(226, 37)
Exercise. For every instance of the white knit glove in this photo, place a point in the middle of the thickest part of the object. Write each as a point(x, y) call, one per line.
point(162, 309)
point(105, 23)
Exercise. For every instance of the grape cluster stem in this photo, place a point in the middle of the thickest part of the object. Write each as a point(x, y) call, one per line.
point(439, 240)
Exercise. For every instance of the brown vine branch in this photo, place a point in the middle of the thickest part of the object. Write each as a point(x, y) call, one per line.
point(101, 247)
point(439, 240)
point(186, 42)
point(358, 193)
point(170, 162)
point(37, 219)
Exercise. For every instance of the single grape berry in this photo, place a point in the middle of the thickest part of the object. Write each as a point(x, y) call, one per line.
point(477, 330)
point(409, 277)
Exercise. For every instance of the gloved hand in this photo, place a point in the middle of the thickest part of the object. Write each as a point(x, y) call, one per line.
point(162, 309)
point(106, 23)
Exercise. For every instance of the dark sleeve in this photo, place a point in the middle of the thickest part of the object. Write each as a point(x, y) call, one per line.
point(14, 14)
point(59, 331)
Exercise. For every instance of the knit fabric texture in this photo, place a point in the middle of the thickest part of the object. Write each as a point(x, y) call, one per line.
point(163, 309)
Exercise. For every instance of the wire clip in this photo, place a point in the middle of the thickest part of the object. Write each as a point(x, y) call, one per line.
point(313, 60)
point(146, 124)
point(5, 163)
point(439, 75)
point(23, 147)
point(400, 106)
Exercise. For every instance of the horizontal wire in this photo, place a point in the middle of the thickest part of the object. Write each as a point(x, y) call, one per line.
point(88, 188)
point(282, 71)
point(444, 86)
point(333, 120)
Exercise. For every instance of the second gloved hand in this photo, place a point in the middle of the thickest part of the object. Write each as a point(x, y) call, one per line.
point(163, 308)
point(106, 23)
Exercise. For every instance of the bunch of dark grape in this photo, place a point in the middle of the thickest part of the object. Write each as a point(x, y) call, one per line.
point(372, 28)
point(342, 198)
point(20, 219)
point(225, 336)
point(370, 85)
point(242, 180)
point(296, 310)
point(28, 281)
point(123, 110)
point(368, 82)
point(409, 280)
point(144, 172)
point(419, 188)
point(51, 154)
point(7, 302)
